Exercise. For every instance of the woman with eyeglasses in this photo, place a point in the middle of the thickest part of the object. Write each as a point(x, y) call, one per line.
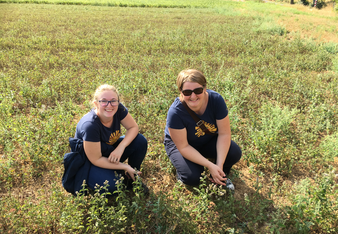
point(106, 149)
point(190, 143)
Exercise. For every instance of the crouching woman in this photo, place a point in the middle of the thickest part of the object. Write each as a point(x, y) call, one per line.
point(198, 129)
point(98, 137)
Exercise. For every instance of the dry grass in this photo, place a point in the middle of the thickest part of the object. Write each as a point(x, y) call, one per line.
point(319, 25)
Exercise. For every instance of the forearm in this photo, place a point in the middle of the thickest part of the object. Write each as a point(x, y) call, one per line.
point(193, 155)
point(223, 145)
point(104, 163)
point(179, 137)
point(94, 155)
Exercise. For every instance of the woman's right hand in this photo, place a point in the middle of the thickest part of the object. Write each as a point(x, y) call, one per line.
point(115, 155)
point(217, 174)
point(132, 172)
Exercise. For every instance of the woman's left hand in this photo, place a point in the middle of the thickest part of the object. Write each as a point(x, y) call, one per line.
point(115, 156)
point(131, 173)
point(217, 174)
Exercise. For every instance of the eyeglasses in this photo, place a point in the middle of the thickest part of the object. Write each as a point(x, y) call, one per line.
point(106, 103)
point(188, 92)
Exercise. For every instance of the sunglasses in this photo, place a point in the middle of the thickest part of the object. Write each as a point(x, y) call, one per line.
point(106, 103)
point(188, 92)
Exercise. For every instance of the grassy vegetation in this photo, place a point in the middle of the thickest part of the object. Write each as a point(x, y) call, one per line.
point(281, 90)
point(133, 3)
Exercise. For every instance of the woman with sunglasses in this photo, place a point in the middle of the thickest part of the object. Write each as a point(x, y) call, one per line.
point(189, 146)
point(105, 148)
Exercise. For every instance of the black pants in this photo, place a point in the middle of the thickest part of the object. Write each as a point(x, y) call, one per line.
point(189, 172)
point(134, 152)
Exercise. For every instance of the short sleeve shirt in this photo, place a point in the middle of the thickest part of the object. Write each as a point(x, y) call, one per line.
point(91, 129)
point(178, 118)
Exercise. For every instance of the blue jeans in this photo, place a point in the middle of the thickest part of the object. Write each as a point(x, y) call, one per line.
point(189, 172)
point(134, 152)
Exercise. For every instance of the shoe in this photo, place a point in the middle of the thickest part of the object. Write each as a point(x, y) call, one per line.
point(143, 186)
point(179, 180)
point(145, 189)
point(230, 185)
point(130, 184)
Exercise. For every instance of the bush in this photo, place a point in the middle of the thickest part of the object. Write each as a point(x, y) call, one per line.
point(272, 135)
point(320, 4)
point(335, 64)
point(313, 208)
point(271, 28)
point(329, 147)
point(304, 2)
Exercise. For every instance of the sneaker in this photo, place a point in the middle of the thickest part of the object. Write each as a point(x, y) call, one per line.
point(130, 184)
point(230, 185)
point(145, 189)
point(179, 180)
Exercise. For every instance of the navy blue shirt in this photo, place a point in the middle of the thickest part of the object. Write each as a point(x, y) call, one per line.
point(91, 129)
point(178, 118)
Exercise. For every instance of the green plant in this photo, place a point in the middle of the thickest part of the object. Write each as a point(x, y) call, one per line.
point(304, 2)
point(335, 64)
point(53, 56)
point(271, 28)
point(272, 136)
point(328, 147)
point(313, 208)
point(320, 4)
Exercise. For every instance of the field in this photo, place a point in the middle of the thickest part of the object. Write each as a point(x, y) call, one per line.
point(275, 64)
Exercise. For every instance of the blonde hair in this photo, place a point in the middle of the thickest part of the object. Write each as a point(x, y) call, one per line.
point(190, 75)
point(101, 89)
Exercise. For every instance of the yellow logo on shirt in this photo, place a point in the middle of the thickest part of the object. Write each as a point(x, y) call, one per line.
point(210, 127)
point(114, 137)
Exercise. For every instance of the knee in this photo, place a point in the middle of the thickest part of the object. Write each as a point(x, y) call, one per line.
point(141, 141)
point(190, 179)
point(235, 151)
